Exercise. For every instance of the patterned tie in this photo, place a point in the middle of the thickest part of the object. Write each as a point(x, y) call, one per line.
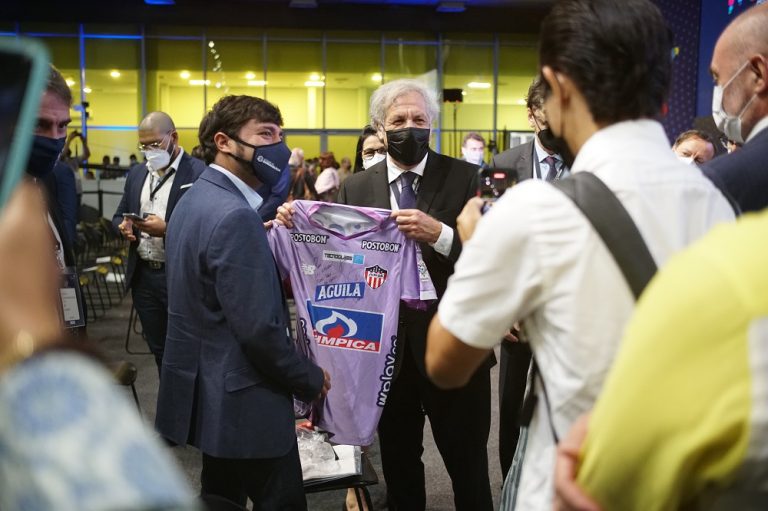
point(552, 162)
point(407, 196)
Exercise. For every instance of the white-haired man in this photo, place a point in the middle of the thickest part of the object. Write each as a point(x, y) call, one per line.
point(426, 192)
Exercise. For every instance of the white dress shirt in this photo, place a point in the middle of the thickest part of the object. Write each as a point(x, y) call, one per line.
point(535, 257)
point(445, 240)
point(541, 170)
point(253, 198)
point(153, 248)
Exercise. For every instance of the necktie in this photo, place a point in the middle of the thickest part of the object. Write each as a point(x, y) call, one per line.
point(552, 162)
point(407, 195)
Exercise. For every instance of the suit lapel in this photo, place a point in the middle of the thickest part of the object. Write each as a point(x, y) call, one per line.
point(431, 182)
point(380, 186)
point(527, 163)
point(138, 184)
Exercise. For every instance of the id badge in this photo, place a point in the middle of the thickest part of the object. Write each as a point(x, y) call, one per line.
point(71, 299)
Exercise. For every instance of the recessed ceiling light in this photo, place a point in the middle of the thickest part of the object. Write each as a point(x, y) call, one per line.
point(376, 77)
point(87, 90)
point(250, 75)
point(315, 77)
point(314, 83)
point(185, 75)
point(211, 44)
point(70, 82)
point(479, 85)
point(114, 73)
point(199, 82)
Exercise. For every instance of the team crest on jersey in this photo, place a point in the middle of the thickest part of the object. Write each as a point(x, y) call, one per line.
point(375, 276)
point(350, 329)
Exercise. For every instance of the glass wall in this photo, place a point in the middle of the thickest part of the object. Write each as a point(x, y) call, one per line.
point(322, 81)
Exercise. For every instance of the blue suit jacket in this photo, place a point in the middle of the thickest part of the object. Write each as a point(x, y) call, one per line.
point(189, 170)
point(230, 366)
point(743, 175)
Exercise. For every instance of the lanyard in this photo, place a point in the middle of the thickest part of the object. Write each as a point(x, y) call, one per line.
point(154, 190)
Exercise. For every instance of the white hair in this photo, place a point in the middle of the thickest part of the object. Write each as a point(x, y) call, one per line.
point(386, 95)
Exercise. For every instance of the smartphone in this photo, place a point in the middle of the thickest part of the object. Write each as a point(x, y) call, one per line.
point(493, 182)
point(25, 73)
point(134, 217)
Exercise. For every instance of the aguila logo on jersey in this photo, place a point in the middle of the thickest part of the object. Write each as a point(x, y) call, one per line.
point(375, 276)
point(350, 329)
point(341, 290)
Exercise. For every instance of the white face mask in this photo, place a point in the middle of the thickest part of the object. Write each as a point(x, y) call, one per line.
point(158, 159)
point(471, 156)
point(730, 125)
point(373, 160)
point(688, 160)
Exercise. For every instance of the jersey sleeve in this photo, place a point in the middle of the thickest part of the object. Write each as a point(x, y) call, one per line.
point(417, 286)
point(279, 242)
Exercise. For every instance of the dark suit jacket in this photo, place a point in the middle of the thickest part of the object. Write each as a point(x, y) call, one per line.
point(230, 367)
point(189, 170)
point(445, 188)
point(743, 175)
point(519, 158)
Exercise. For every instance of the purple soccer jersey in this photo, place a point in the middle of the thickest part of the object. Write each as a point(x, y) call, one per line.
point(350, 267)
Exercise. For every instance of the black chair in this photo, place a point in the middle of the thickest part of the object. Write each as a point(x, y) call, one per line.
point(359, 483)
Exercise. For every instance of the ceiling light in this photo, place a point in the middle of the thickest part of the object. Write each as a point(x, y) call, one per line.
point(314, 83)
point(211, 44)
point(316, 77)
point(257, 83)
point(87, 90)
point(250, 75)
point(479, 85)
point(376, 77)
point(463, 93)
point(114, 73)
point(218, 85)
point(199, 82)
point(184, 75)
point(70, 82)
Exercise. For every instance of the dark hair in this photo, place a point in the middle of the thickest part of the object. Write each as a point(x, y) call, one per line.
point(57, 86)
point(706, 137)
point(534, 100)
point(368, 131)
point(328, 159)
point(472, 135)
point(617, 52)
point(228, 115)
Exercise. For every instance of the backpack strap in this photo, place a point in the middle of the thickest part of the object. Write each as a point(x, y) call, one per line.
point(620, 235)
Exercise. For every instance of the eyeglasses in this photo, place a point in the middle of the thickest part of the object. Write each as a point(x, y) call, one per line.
point(153, 145)
point(369, 153)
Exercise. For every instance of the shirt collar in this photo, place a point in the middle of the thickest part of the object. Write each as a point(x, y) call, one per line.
point(541, 153)
point(637, 139)
point(393, 171)
point(253, 198)
point(173, 166)
point(760, 126)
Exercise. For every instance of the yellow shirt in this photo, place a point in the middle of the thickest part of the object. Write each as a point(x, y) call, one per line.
point(685, 406)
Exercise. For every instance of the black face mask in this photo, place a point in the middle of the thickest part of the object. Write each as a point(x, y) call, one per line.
point(44, 155)
point(408, 145)
point(557, 145)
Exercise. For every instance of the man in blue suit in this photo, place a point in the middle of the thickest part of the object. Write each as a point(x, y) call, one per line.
point(740, 108)
point(230, 366)
point(152, 191)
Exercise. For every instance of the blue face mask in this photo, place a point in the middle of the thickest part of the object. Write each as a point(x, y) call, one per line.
point(44, 155)
point(268, 160)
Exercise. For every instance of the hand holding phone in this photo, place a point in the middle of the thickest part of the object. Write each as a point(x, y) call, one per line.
point(133, 216)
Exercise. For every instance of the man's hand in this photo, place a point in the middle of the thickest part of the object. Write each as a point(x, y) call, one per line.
point(417, 225)
point(568, 495)
point(126, 229)
point(326, 384)
point(285, 215)
point(470, 215)
point(152, 225)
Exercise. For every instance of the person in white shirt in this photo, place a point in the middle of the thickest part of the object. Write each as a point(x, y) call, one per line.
point(151, 192)
point(535, 258)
